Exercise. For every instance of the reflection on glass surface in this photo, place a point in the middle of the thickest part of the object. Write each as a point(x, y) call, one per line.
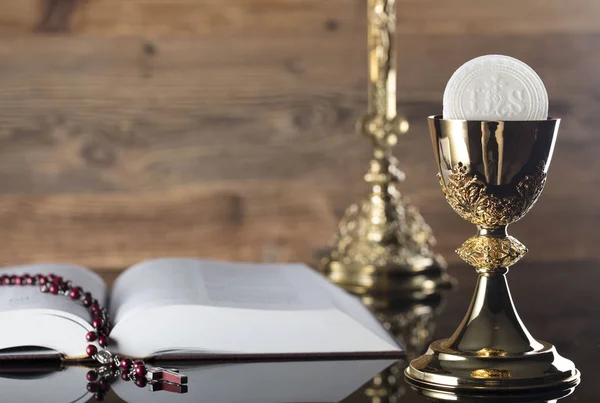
point(43, 384)
point(482, 397)
point(259, 382)
point(411, 321)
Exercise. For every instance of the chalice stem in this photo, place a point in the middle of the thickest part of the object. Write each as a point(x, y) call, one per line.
point(492, 326)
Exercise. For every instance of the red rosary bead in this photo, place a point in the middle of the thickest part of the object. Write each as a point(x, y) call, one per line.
point(141, 382)
point(91, 376)
point(95, 308)
point(103, 341)
point(74, 293)
point(53, 289)
point(90, 336)
point(139, 371)
point(28, 280)
point(126, 363)
point(91, 350)
point(97, 322)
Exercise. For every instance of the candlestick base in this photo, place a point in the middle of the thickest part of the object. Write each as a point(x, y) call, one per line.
point(383, 248)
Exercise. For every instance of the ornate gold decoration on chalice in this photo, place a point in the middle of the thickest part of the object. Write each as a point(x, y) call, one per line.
point(492, 172)
point(383, 243)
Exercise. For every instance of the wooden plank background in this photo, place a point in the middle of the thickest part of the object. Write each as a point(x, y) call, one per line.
point(132, 129)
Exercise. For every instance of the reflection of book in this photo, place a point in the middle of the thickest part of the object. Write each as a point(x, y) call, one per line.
point(265, 382)
point(258, 382)
point(188, 308)
point(27, 384)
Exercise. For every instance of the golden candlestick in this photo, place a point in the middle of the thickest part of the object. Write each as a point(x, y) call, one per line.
point(492, 172)
point(383, 245)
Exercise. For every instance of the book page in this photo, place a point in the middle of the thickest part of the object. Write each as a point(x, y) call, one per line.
point(20, 298)
point(180, 281)
point(197, 307)
point(352, 306)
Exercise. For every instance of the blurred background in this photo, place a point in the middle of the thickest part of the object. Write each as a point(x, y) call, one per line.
point(132, 129)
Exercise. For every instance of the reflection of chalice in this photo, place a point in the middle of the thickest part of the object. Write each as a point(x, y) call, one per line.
point(539, 396)
point(491, 174)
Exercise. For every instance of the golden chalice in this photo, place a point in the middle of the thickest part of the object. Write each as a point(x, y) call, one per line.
point(491, 173)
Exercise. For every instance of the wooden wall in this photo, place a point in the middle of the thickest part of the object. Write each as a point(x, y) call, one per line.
point(225, 128)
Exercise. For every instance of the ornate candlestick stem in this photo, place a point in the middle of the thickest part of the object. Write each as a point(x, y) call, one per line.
point(381, 15)
point(383, 245)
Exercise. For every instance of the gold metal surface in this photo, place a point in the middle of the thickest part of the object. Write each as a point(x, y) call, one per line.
point(492, 173)
point(470, 197)
point(383, 242)
point(490, 373)
point(483, 251)
point(482, 396)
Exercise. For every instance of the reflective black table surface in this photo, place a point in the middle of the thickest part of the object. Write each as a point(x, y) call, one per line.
point(557, 301)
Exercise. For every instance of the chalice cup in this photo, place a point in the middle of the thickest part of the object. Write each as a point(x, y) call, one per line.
point(492, 172)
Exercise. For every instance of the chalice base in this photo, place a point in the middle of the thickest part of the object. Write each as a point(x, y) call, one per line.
point(492, 350)
point(446, 369)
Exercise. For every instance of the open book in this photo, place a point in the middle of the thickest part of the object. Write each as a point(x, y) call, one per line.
point(177, 308)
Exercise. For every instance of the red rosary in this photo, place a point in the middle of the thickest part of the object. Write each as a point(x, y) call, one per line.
point(113, 366)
